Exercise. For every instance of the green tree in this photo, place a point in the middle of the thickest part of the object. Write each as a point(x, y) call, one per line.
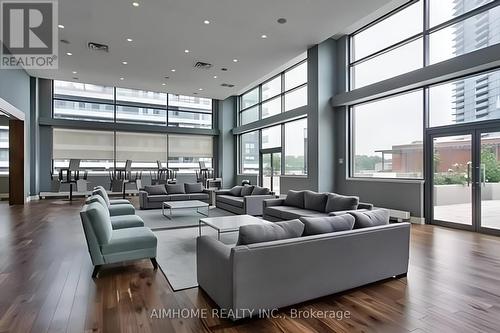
point(490, 164)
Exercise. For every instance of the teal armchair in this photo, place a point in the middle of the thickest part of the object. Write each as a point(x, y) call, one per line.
point(118, 221)
point(116, 209)
point(102, 192)
point(107, 246)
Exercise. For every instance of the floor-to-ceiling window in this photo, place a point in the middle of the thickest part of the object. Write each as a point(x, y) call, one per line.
point(421, 33)
point(4, 149)
point(452, 126)
point(100, 151)
point(387, 137)
point(284, 92)
point(89, 102)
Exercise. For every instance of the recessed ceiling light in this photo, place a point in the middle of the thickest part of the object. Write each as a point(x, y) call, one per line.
point(172, 70)
point(263, 36)
point(135, 4)
point(281, 20)
point(69, 53)
point(206, 22)
point(124, 62)
point(164, 84)
point(200, 89)
point(215, 76)
point(75, 72)
point(130, 40)
point(60, 26)
point(235, 60)
point(122, 78)
point(186, 51)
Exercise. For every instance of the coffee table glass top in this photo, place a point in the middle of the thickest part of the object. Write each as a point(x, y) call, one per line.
point(231, 223)
point(184, 204)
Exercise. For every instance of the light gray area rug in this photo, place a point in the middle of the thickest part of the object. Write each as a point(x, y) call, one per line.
point(181, 218)
point(177, 254)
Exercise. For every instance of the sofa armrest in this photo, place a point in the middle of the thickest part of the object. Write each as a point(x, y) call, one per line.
point(143, 199)
point(364, 205)
point(273, 202)
point(254, 203)
point(214, 270)
point(222, 192)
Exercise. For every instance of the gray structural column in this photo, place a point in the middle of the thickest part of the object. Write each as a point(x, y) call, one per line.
point(226, 143)
point(321, 138)
point(45, 135)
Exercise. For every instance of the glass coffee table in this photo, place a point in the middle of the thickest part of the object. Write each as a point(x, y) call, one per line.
point(225, 224)
point(172, 205)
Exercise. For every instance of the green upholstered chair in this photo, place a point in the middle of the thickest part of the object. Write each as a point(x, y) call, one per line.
point(115, 209)
point(117, 221)
point(107, 246)
point(102, 192)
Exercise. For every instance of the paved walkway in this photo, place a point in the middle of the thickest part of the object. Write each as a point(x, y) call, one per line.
point(462, 213)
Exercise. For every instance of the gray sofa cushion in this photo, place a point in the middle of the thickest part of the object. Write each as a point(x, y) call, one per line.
point(258, 233)
point(155, 189)
point(327, 224)
point(230, 200)
point(295, 199)
point(175, 189)
point(258, 190)
point(193, 188)
point(315, 201)
point(179, 197)
point(247, 190)
point(236, 191)
point(158, 198)
point(295, 213)
point(198, 196)
point(370, 218)
point(338, 202)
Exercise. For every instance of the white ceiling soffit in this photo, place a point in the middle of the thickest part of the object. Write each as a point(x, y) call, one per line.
point(161, 31)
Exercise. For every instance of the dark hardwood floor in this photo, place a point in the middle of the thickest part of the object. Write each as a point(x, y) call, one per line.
point(453, 285)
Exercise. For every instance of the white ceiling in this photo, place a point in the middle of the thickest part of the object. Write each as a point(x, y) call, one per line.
point(162, 29)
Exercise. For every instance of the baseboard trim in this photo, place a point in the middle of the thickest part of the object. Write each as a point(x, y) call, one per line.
point(32, 198)
point(417, 220)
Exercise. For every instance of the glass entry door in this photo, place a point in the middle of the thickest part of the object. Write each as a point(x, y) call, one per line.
point(452, 192)
point(271, 170)
point(466, 180)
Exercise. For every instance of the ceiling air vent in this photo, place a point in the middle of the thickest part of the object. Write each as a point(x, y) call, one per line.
point(228, 85)
point(202, 65)
point(98, 47)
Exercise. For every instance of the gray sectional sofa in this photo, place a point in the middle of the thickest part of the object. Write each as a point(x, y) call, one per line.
point(309, 203)
point(243, 200)
point(279, 273)
point(151, 197)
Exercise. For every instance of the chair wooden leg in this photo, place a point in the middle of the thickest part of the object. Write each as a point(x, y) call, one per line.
point(155, 264)
point(96, 271)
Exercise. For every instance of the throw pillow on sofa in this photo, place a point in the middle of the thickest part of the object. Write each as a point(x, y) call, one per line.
point(193, 188)
point(315, 201)
point(295, 199)
point(337, 202)
point(258, 233)
point(370, 218)
point(257, 190)
point(175, 189)
point(247, 190)
point(155, 189)
point(327, 224)
point(236, 191)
